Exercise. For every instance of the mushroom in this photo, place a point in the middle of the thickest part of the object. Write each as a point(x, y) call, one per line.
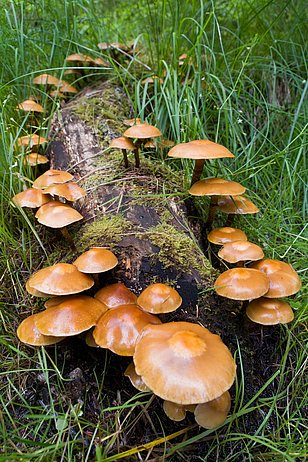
point(32, 198)
point(28, 333)
point(269, 311)
point(125, 144)
point(30, 106)
point(31, 140)
point(35, 292)
point(221, 236)
point(141, 133)
point(71, 317)
point(52, 177)
point(174, 411)
point(241, 284)
point(70, 191)
point(96, 260)
point(46, 79)
point(57, 215)
point(131, 122)
point(115, 295)
point(240, 251)
point(216, 187)
point(199, 150)
point(60, 279)
point(283, 279)
point(236, 205)
point(213, 413)
point(159, 298)
point(33, 159)
point(183, 362)
point(135, 379)
point(119, 328)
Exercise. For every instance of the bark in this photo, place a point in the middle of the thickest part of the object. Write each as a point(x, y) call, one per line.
point(150, 234)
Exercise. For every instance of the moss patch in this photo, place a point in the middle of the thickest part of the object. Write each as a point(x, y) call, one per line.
point(106, 230)
point(178, 249)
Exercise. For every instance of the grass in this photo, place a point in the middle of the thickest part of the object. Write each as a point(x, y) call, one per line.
point(244, 84)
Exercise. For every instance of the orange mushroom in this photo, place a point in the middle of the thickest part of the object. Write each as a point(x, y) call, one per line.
point(115, 295)
point(159, 298)
point(28, 333)
point(283, 279)
point(242, 284)
point(269, 311)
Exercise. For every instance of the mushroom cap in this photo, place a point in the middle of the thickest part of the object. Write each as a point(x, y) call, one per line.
point(221, 236)
point(60, 279)
point(57, 215)
point(79, 58)
point(28, 333)
point(199, 149)
point(122, 143)
point(184, 362)
point(118, 329)
point(216, 187)
point(96, 260)
point(30, 106)
point(115, 295)
point(269, 311)
point(31, 140)
point(46, 79)
point(90, 340)
point(135, 379)
point(236, 205)
point(34, 159)
point(213, 413)
point(32, 198)
point(71, 317)
point(150, 144)
point(232, 252)
point(70, 191)
point(35, 292)
point(174, 411)
point(159, 298)
point(57, 94)
point(65, 87)
point(52, 177)
point(142, 131)
point(242, 284)
point(283, 279)
point(131, 122)
point(54, 301)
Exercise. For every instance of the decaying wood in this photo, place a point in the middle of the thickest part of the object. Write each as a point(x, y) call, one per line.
point(153, 231)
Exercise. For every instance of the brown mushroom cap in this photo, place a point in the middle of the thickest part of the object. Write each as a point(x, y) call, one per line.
point(30, 106)
point(79, 58)
point(65, 87)
point(32, 198)
point(60, 279)
point(28, 333)
point(90, 340)
point(284, 280)
point(57, 215)
point(57, 94)
point(213, 413)
point(221, 236)
point(131, 122)
point(70, 191)
point(269, 311)
point(115, 295)
point(46, 79)
point(237, 205)
point(34, 159)
point(216, 187)
point(35, 292)
point(142, 131)
point(135, 379)
point(71, 317)
point(52, 177)
point(118, 329)
point(236, 251)
point(159, 298)
point(242, 284)
point(96, 260)
point(31, 140)
point(122, 143)
point(184, 362)
point(199, 149)
point(174, 411)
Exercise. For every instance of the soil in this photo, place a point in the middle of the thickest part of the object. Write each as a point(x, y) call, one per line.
point(94, 378)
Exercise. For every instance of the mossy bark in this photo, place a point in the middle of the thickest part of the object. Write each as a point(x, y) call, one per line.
point(136, 212)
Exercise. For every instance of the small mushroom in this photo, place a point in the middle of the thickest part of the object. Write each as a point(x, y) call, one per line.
point(96, 260)
point(115, 295)
point(31, 140)
point(52, 177)
point(242, 284)
point(119, 328)
point(125, 144)
point(213, 413)
point(70, 191)
point(33, 159)
point(28, 333)
point(240, 251)
point(159, 298)
point(236, 205)
point(221, 236)
point(33, 198)
point(199, 150)
point(269, 311)
point(283, 279)
point(47, 80)
point(30, 106)
point(135, 379)
point(141, 133)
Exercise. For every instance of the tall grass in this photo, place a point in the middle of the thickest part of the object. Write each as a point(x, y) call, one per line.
point(243, 84)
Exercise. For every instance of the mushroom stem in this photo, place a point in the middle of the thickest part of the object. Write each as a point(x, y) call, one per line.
point(95, 276)
point(125, 158)
point(212, 212)
point(230, 219)
point(68, 237)
point(197, 171)
point(136, 153)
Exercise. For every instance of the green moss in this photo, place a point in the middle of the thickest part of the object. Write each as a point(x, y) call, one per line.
point(178, 249)
point(106, 230)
